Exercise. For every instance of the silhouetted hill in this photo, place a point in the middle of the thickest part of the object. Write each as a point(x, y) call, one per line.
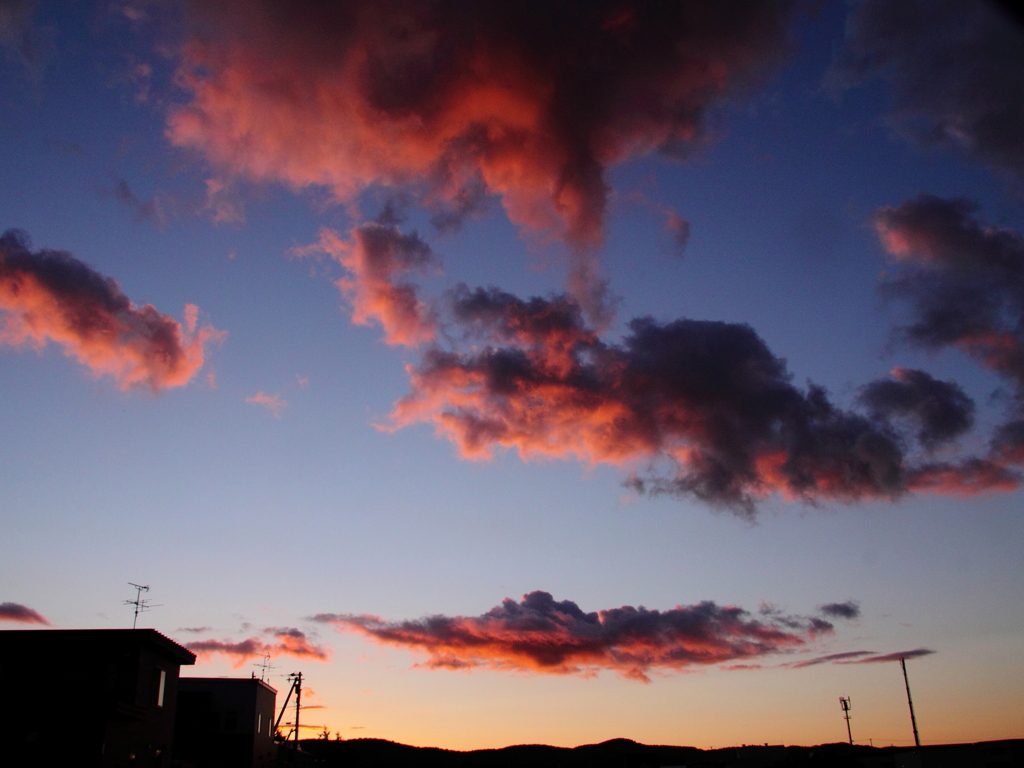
point(624, 753)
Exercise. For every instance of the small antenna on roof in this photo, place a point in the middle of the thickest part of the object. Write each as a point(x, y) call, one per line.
point(264, 666)
point(139, 602)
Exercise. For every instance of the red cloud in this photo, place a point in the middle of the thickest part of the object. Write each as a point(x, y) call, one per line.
point(290, 642)
point(456, 101)
point(973, 477)
point(376, 256)
point(533, 102)
point(50, 296)
point(539, 634)
point(21, 614)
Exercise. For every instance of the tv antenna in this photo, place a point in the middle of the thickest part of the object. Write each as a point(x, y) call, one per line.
point(844, 702)
point(264, 666)
point(910, 701)
point(141, 604)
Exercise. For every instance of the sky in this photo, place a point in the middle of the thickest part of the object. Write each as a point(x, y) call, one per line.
point(526, 372)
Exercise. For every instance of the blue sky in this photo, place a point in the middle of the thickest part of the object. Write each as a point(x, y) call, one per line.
point(244, 519)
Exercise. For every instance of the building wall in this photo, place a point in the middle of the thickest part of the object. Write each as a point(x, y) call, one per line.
point(88, 697)
point(225, 722)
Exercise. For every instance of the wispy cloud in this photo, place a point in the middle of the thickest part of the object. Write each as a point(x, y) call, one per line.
point(830, 659)
point(272, 403)
point(860, 657)
point(896, 656)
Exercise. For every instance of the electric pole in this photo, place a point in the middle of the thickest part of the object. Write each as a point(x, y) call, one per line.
point(910, 701)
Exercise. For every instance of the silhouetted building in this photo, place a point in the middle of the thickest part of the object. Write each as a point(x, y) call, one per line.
point(88, 697)
point(225, 722)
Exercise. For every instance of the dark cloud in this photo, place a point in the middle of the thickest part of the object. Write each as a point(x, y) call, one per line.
point(540, 634)
point(706, 398)
point(848, 610)
point(699, 408)
point(940, 410)
point(963, 279)
point(955, 68)
point(51, 296)
point(20, 614)
point(21, 37)
point(1008, 442)
point(964, 282)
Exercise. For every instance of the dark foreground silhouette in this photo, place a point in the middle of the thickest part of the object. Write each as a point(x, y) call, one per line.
point(624, 753)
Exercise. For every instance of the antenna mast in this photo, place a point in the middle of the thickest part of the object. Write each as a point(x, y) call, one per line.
point(264, 666)
point(844, 702)
point(910, 701)
point(141, 604)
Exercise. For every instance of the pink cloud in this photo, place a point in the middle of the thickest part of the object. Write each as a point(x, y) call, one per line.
point(287, 642)
point(376, 257)
point(272, 403)
point(51, 296)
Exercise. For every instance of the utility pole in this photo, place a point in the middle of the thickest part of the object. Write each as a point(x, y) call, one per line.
point(910, 701)
point(298, 706)
point(844, 702)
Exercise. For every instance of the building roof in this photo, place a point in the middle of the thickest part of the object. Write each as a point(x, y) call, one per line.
point(224, 682)
point(94, 641)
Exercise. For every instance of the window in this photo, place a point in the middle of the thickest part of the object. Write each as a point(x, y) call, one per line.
point(159, 686)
